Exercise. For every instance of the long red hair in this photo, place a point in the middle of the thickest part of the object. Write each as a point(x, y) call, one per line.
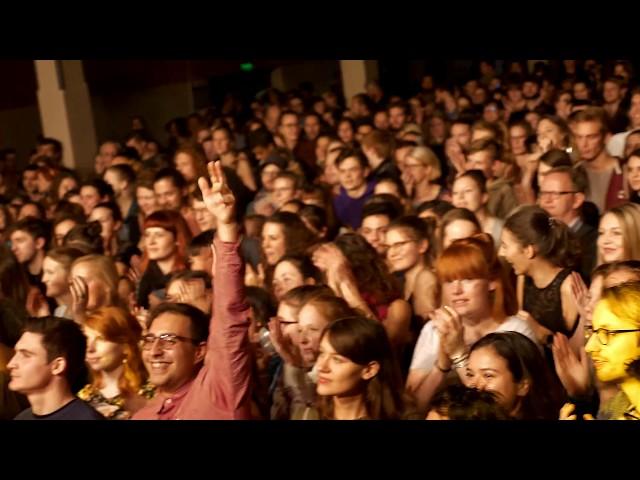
point(175, 223)
point(118, 326)
point(475, 257)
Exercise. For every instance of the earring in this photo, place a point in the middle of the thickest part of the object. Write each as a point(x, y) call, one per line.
point(124, 361)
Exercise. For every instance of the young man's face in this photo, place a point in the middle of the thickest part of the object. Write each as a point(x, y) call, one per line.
point(589, 139)
point(24, 246)
point(29, 368)
point(481, 160)
point(611, 92)
point(352, 175)
point(168, 195)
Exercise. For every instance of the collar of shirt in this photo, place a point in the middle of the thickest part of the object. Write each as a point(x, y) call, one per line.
point(172, 402)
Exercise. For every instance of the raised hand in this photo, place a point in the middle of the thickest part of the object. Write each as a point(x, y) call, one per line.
point(79, 298)
point(135, 270)
point(283, 345)
point(573, 371)
point(218, 197)
point(579, 293)
point(449, 326)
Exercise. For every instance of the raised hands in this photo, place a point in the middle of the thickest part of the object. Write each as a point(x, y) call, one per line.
point(572, 370)
point(566, 413)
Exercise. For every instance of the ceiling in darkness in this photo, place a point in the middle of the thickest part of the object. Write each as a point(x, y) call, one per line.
point(18, 78)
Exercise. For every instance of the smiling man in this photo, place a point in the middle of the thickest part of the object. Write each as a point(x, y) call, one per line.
point(202, 367)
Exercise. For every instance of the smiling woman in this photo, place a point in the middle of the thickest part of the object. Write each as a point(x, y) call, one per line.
point(358, 377)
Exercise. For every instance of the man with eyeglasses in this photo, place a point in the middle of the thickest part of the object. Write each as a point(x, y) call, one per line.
point(562, 195)
point(201, 367)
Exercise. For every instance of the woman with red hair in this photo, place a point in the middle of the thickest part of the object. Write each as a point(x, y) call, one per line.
point(477, 299)
point(166, 236)
point(118, 385)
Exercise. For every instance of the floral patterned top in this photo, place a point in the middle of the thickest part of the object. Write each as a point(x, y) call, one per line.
point(112, 408)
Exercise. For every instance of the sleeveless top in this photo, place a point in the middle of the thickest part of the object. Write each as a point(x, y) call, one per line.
point(545, 304)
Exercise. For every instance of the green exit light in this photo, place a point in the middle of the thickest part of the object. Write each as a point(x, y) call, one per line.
point(246, 67)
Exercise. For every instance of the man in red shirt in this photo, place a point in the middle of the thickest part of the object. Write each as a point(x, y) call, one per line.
point(204, 373)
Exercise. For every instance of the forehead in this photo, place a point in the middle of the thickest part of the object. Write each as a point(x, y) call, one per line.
point(157, 230)
point(556, 179)
point(464, 182)
point(100, 212)
point(287, 311)
point(309, 315)
point(603, 317)
point(285, 267)
point(169, 322)
point(586, 128)
point(21, 235)
point(350, 162)
point(487, 357)
point(164, 184)
point(281, 180)
point(49, 263)
point(89, 190)
point(271, 228)
point(609, 220)
point(374, 221)
point(32, 342)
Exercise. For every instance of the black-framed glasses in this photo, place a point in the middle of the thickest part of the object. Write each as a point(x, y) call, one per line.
point(603, 335)
point(167, 341)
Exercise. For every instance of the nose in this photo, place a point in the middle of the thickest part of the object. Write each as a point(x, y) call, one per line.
point(156, 350)
point(457, 287)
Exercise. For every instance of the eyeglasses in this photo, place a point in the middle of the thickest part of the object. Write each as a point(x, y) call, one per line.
point(167, 341)
point(554, 195)
point(603, 334)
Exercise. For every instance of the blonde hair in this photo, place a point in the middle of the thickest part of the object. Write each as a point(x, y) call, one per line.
point(628, 215)
point(429, 159)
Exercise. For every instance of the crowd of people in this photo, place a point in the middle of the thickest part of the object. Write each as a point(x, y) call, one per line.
point(470, 252)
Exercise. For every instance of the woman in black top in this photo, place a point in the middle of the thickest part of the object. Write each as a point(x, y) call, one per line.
point(539, 250)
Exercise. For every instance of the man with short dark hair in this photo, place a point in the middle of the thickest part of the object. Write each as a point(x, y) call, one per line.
point(353, 170)
point(29, 240)
point(48, 367)
point(202, 368)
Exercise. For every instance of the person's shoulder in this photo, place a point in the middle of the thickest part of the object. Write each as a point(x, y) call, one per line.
point(79, 410)
point(26, 414)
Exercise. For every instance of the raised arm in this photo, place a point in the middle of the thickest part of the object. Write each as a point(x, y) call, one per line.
point(228, 355)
